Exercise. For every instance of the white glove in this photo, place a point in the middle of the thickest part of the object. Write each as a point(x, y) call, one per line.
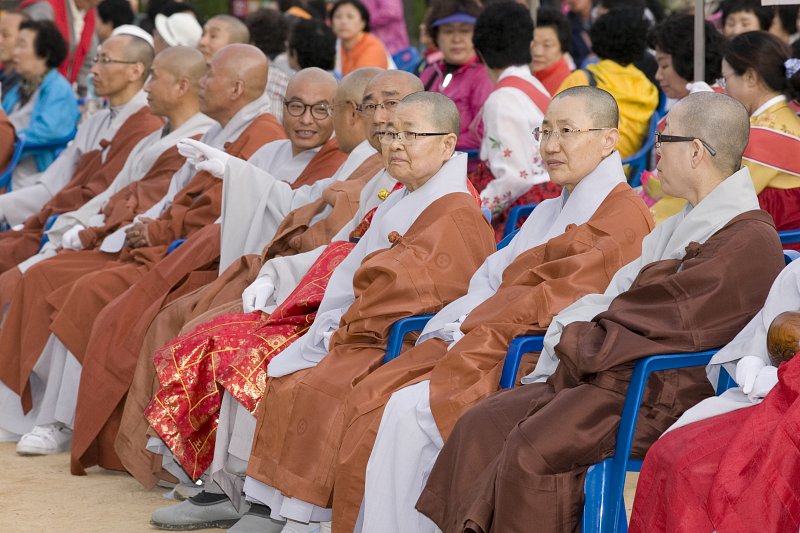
point(747, 370)
point(70, 239)
point(254, 297)
point(766, 379)
point(452, 331)
point(204, 157)
point(326, 338)
point(698, 87)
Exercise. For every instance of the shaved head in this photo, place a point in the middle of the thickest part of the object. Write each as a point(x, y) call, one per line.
point(352, 86)
point(183, 62)
point(441, 110)
point(246, 63)
point(597, 103)
point(135, 49)
point(394, 82)
point(237, 30)
point(717, 119)
point(315, 77)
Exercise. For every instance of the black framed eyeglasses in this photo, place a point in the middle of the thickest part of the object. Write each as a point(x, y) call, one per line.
point(404, 137)
point(297, 108)
point(105, 60)
point(661, 138)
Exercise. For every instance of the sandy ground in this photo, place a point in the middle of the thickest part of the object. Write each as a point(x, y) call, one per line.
point(38, 494)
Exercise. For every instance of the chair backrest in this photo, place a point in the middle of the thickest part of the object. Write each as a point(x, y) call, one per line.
point(5, 177)
point(514, 214)
point(791, 236)
point(487, 213)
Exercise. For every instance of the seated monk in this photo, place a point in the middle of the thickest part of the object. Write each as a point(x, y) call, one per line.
point(711, 470)
point(358, 187)
point(67, 292)
point(569, 247)
point(522, 454)
point(97, 154)
point(433, 216)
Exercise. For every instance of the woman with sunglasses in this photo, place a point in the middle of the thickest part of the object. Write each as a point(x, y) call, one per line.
point(42, 106)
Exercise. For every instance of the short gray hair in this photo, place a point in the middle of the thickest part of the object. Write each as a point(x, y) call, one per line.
point(599, 104)
point(443, 111)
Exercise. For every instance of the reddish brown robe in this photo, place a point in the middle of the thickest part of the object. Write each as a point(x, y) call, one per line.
point(92, 176)
point(106, 374)
point(296, 234)
point(522, 454)
point(734, 473)
point(47, 285)
point(536, 286)
point(301, 419)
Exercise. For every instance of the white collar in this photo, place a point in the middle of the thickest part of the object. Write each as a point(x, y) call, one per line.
point(769, 103)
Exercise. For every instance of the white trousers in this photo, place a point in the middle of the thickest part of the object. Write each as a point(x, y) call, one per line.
point(405, 450)
point(54, 392)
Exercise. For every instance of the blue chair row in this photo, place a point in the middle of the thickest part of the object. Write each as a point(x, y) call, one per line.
point(639, 161)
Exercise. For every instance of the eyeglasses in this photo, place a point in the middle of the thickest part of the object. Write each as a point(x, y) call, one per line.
point(105, 60)
point(369, 109)
point(661, 138)
point(404, 137)
point(565, 133)
point(298, 109)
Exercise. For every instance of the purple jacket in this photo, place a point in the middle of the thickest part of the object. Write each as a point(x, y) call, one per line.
point(469, 88)
point(387, 23)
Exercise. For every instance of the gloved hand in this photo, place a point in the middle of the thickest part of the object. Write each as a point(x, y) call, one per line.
point(204, 157)
point(452, 331)
point(766, 379)
point(698, 87)
point(70, 239)
point(747, 370)
point(255, 297)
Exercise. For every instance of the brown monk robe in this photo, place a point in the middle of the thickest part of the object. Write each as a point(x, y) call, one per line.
point(296, 234)
point(536, 285)
point(532, 445)
point(92, 175)
point(389, 285)
point(107, 372)
point(47, 284)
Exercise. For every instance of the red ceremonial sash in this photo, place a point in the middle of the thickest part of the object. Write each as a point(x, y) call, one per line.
point(538, 97)
point(773, 149)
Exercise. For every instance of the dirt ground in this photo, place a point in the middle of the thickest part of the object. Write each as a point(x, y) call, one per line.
point(38, 495)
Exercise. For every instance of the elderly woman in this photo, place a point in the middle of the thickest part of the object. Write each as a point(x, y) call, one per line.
point(550, 46)
point(356, 47)
point(459, 74)
point(42, 107)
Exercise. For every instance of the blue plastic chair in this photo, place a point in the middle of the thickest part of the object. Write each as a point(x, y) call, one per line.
point(404, 326)
point(604, 509)
point(487, 213)
point(472, 155)
point(639, 161)
point(47, 225)
point(407, 59)
point(516, 213)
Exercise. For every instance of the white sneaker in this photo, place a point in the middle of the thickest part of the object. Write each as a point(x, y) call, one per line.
point(7, 436)
point(45, 440)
